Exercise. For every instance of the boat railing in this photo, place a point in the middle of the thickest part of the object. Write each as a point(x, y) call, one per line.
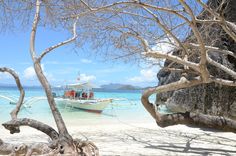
point(12, 100)
point(32, 100)
point(28, 102)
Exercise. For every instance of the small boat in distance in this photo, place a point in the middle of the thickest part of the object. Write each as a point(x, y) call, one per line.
point(81, 95)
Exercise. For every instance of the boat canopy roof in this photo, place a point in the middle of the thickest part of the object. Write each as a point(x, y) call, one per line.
point(86, 85)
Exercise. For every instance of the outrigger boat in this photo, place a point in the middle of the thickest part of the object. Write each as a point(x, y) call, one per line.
point(82, 96)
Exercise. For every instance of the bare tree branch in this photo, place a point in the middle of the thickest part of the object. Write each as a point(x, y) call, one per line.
point(15, 111)
point(182, 83)
point(166, 30)
point(187, 118)
point(224, 24)
point(156, 54)
point(224, 82)
point(214, 49)
point(222, 67)
point(34, 29)
point(48, 50)
point(203, 60)
point(141, 39)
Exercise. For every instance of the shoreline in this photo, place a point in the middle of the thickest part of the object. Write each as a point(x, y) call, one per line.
point(140, 139)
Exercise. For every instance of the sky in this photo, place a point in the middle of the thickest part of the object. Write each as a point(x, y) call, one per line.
point(64, 65)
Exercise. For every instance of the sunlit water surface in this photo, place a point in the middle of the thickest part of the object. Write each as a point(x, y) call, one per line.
point(126, 107)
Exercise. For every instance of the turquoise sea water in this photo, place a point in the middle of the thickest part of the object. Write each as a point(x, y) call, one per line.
point(125, 107)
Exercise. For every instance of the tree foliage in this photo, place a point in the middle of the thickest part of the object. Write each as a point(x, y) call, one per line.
point(139, 29)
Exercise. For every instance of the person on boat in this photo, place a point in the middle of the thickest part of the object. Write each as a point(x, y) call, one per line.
point(91, 95)
point(77, 95)
point(72, 94)
point(84, 95)
point(66, 94)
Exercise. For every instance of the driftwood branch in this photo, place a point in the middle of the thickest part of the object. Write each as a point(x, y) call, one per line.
point(23, 149)
point(10, 125)
point(84, 148)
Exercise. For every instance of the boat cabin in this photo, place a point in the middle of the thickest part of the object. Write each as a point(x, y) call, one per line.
point(79, 91)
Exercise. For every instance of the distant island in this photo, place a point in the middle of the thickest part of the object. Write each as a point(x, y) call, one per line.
point(111, 86)
point(2, 85)
point(117, 86)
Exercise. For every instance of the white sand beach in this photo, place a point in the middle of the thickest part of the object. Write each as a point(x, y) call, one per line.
point(131, 139)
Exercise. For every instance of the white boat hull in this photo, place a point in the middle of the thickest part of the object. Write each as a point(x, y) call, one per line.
point(96, 105)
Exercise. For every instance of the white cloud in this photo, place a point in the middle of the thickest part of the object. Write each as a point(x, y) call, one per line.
point(86, 78)
point(146, 75)
point(165, 45)
point(86, 61)
point(29, 73)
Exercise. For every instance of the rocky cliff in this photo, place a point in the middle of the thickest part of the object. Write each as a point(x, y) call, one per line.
point(210, 99)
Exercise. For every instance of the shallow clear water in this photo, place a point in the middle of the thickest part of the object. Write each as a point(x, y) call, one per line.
point(126, 107)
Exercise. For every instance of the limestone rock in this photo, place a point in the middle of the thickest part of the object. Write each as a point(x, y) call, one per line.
point(212, 98)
